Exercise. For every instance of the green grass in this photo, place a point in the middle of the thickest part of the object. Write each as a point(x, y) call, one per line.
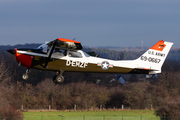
point(91, 115)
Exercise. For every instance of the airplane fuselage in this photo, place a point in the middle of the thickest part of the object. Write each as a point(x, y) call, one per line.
point(84, 63)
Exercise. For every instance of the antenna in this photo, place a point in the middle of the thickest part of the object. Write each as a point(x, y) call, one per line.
point(142, 44)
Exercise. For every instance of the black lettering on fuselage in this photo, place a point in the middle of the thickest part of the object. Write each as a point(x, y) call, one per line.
point(156, 53)
point(160, 54)
point(151, 52)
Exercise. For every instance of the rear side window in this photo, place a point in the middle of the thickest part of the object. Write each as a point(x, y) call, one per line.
point(75, 54)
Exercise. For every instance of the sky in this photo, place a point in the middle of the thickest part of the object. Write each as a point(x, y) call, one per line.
point(120, 23)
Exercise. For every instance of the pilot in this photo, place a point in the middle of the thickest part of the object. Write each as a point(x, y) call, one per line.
point(57, 52)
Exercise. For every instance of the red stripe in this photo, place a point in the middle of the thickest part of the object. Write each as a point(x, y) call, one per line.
point(67, 40)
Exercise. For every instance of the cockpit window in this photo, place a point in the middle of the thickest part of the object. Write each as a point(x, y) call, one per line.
point(75, 54)
point(59, 52)
point(87, 55)
point(44, 48)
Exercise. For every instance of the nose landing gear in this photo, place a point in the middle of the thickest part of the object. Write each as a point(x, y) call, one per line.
point(25, 75)
point(58, 78)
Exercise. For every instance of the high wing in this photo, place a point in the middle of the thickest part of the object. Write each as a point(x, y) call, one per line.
point(65, 44)
point(68, 44)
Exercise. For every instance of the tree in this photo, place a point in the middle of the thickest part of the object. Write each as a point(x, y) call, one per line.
point(7, 91)
point(4, 73)
point(170, 110)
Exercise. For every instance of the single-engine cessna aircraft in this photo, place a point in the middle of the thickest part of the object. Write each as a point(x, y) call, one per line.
point(63, 54)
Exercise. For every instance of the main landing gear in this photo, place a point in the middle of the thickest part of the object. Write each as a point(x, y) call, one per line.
point(58, 78)
point(25, 75)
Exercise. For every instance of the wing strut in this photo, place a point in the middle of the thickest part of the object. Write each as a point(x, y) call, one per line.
point(50, 52)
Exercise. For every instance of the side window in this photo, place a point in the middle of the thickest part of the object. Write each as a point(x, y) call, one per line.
point(59, 52)
point(75, 54)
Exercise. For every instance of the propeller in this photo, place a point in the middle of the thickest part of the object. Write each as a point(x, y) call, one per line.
point(12, 51)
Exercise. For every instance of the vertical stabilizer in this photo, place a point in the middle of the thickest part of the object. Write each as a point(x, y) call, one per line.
point(154, 58)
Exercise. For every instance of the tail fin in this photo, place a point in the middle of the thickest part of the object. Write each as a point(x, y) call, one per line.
point(153, 59)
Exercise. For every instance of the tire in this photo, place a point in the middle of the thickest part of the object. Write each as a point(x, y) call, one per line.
point(58, 79)
point(54, 79)
point(25, 76)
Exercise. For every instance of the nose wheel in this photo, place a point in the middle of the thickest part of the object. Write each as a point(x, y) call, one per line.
point(25, 75)
point(58, 78)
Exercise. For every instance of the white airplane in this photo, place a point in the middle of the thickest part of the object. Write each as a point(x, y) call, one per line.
point(65, 55)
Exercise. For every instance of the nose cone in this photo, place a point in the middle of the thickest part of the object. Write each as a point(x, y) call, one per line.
point(11, 51)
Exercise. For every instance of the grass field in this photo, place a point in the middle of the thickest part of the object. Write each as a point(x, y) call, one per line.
point(91, 115)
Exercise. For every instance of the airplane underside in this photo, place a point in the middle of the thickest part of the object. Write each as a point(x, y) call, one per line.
point(57, 65)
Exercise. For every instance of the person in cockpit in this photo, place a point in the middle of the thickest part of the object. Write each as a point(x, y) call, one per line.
point(57, 52)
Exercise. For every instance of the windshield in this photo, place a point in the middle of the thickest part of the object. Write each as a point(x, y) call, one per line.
point(44, 48)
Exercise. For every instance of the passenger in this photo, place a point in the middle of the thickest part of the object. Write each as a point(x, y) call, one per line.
point(57, 52)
